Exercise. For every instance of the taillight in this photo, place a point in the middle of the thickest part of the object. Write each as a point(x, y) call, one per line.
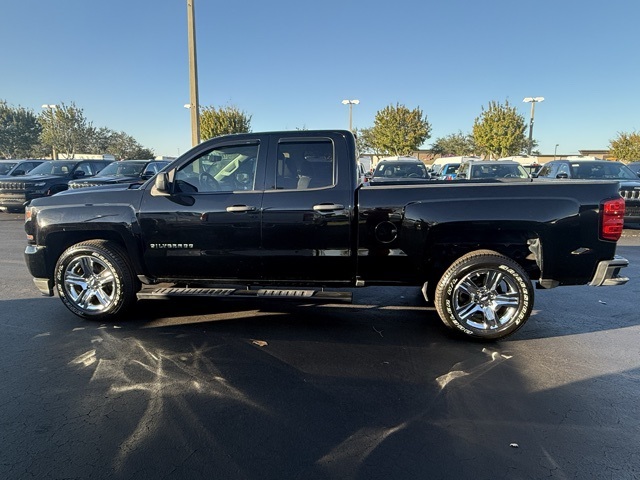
point(612, 219)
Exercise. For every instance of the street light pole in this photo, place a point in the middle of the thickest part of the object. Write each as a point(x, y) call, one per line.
point(52, 107)
point(532, 101)
point(555, 151)
point(351, 103)
point(193, 75)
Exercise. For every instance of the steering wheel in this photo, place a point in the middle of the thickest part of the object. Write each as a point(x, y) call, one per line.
point(414, 175)
point(207, 181)
point(511, 175)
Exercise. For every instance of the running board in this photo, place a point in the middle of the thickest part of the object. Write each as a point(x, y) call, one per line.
point(280, 294)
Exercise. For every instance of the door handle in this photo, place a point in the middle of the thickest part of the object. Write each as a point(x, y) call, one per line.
point(240, 208)
point(327, 207)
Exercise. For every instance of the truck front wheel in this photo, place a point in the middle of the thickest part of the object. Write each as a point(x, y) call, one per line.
point(94, 280)
point(484, 295)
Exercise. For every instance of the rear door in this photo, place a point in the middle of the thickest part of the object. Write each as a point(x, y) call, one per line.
point(307, 207)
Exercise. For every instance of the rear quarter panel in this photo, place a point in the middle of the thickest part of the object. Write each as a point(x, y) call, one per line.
point(541, 225)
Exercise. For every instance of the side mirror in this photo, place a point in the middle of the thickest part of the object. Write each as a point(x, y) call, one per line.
point(17, 173)
point(562, 175)
point(78, 174)
point(162, 183)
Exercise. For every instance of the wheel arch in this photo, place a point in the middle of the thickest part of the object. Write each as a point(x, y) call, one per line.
point(446, 243)
point(58, 241)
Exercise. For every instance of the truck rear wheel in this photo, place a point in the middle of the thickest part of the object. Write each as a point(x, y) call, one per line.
point(94, 280)
point(484, 295)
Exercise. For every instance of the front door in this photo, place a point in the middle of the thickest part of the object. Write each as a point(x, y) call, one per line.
point(208, 228)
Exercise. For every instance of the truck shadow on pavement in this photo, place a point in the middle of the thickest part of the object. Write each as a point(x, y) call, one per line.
point(299, 392)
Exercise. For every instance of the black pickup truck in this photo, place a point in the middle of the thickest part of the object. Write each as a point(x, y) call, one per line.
point(283, 215)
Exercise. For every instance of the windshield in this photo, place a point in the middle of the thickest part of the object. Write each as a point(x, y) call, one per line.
point(53, 167)
point(498, 170)
point(602, 170)
point(450, 169)
point(5, 167)
point(401, 170)
point(126, 168)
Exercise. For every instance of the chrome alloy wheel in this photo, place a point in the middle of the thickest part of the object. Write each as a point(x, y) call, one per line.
point(90, 283)
point(486, 299)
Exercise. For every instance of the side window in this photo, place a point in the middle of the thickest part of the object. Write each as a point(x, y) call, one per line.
point(223, 169)
point(27, 166)
point(153, 168)
point(546, 170)
point(86, 168)
point(563, 168)
point(305, 164)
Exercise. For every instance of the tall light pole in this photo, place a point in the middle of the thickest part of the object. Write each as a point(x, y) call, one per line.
point(351, 103)
point(193, 75)
point(555, 151)
point(532, 101)
point(52, 107)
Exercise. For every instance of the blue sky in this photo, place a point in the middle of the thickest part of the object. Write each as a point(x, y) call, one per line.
point(289, 63)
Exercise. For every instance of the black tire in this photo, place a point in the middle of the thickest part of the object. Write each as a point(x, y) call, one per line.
point(94, 280)
point(484, 295)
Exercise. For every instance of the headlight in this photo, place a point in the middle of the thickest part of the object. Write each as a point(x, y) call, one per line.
point(28, 213)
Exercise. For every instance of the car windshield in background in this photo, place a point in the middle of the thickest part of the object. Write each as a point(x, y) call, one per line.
point(497, 170)
point(634, 167)
point(395, 169)
point(6, 167)
point(602, 170)
point(125, 168)
point(451, 169)
point(53, 167)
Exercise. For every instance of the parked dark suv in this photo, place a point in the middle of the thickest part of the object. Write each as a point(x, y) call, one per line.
point(488, 169)
point(46, 179)
point(125, 171)
point(584, 169)
point(16, 168)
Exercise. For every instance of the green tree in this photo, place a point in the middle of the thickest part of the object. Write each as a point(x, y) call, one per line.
point(364, 140)
point(499, 130)
point(64, 128)
point(399, 131)
point(223, 121)
point(534, 146)
point(125, 147)
point(97, 140)
point(626, 146)
point(456, 144)
point(118, 144)
point(19, 132)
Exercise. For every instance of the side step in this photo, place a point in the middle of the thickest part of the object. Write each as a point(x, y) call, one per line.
point(273, 293)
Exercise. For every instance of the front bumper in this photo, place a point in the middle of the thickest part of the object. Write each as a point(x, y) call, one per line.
point(44, 285)
point(9, 200)
point(632, 212)
point(35, 258)
point(607, 273)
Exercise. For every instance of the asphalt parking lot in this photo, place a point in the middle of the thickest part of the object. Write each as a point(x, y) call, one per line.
point(373, 390)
